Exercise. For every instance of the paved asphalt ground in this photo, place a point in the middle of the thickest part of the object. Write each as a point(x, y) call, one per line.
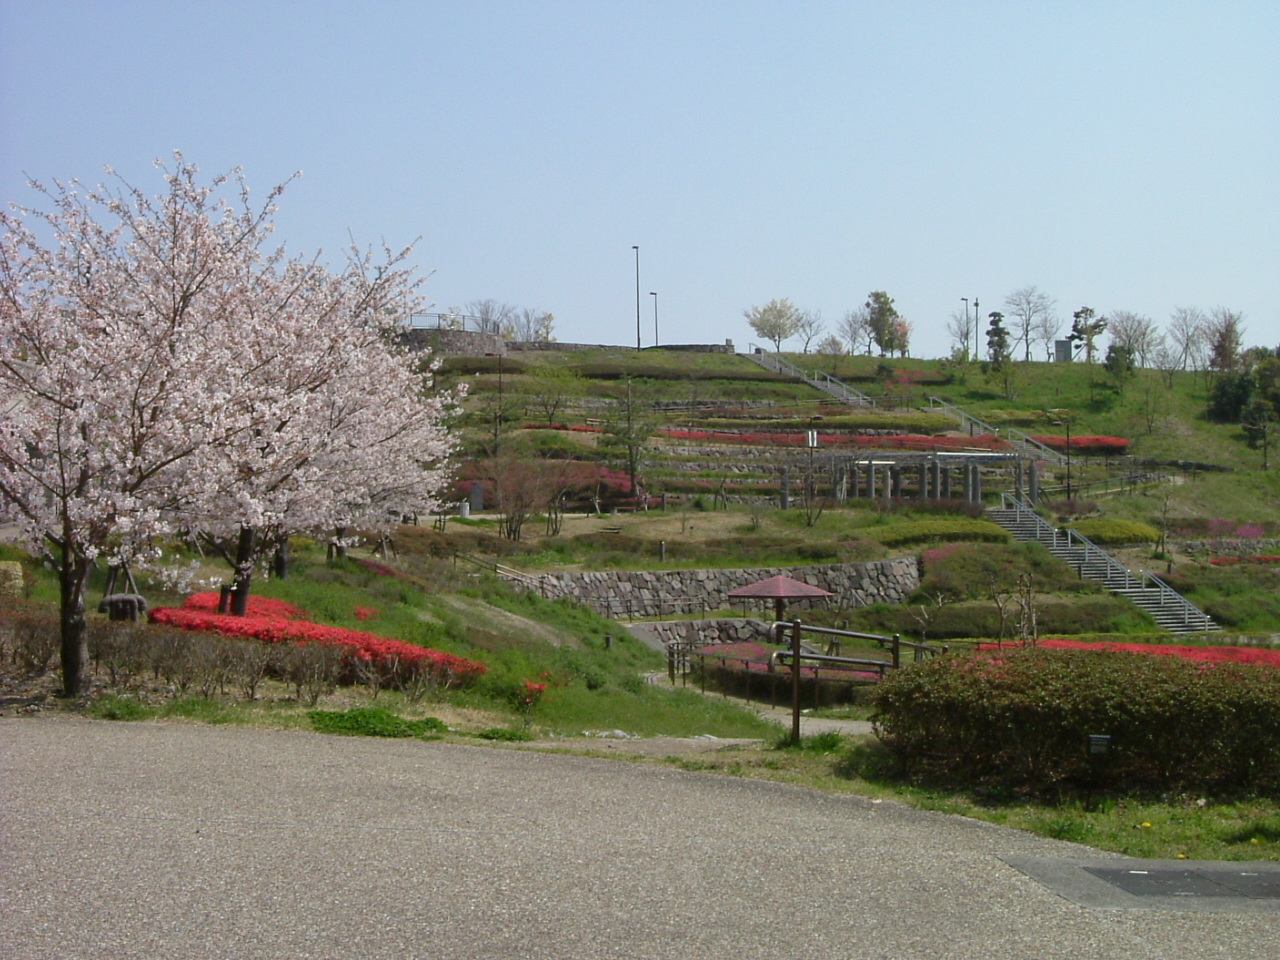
point(171, 841)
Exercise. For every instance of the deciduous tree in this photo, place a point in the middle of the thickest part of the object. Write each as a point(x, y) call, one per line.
point(809, 327)
point(776, 321)
point(1027, 307)
point(883, 318)
point(164, 366)
point(855, 327)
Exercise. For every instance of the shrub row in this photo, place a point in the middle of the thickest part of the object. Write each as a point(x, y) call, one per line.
point(1018, 720)
point(1102, 446)
point(937, 529)
point(896, 420)
point(129, 657)
point(1091, 615)
point(1112, 530)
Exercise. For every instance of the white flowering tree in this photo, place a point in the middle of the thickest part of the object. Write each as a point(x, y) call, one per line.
point(164, 371)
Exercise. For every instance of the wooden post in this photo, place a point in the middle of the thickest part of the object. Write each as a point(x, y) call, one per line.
point(795, 682)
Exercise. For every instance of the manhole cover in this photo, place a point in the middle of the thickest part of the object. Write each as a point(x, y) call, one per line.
point(1191, 883)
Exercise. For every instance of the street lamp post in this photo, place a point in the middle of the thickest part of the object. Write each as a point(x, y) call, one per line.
point(654, 294)
point(637, 250)
point(977, 330)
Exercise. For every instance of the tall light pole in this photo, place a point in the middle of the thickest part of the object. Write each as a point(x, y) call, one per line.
point(654, 294)
point(965, 301)
point(977, 330)
point(637, 250)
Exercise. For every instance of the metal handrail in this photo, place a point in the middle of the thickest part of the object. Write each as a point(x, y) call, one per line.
point(1092, 552)
point(1144, 581)
point(1017, 438)
point(530, 582)
point(827, 383)
point(1190, 612)
point(894, 643)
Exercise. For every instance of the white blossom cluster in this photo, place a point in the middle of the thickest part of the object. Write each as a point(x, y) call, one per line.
point(161, 371)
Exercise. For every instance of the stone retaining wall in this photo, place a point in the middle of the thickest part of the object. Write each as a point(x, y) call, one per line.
point(1232, 547)
point(703, 632)
point(531, 346)
point(454, 343)
point(636, 594)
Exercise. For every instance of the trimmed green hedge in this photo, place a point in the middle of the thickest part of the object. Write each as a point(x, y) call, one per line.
point(936, 529)
point(1018, 720)
point(477, 365)
point(1110, 530)
point(1068, 617)
point(643, 371)
point(906, 421)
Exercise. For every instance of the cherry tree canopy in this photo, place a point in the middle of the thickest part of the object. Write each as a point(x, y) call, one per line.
point(161, 369)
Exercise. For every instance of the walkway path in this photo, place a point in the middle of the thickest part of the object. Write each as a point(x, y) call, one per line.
point(151, 840)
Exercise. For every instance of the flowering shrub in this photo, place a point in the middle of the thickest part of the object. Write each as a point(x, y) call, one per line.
point(365, 613)
point(1262, 559)
point(367, 648)
point(258, 606)
point(1256, 655)
point(937, 555)
point(527, 696)
point(1102, 446)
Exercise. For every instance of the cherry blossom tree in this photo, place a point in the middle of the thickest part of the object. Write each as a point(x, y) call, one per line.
point(166, 371)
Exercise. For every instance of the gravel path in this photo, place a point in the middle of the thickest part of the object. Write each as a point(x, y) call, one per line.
point(156, 840)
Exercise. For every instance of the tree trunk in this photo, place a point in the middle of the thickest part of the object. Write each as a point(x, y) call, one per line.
point(72, 577)
point(280, 560)
point(243, 573)
point(340, 543)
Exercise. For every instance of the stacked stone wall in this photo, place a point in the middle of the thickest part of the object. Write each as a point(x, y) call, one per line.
point(635, 594)
point(454, 343)
point(1232, 547)
point(704, 633)
point(532, 346)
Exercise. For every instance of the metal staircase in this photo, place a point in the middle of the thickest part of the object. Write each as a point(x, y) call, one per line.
point(1019, 441)
point(814, 378)
point(1169, 609)
point(1026, 445)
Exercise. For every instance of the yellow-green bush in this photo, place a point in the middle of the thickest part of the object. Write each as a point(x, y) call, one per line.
point(1111, 530)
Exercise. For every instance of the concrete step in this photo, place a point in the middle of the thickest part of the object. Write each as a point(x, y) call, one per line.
point(1169, 615)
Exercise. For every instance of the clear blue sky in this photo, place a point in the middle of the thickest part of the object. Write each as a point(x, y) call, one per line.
point(1119, 155)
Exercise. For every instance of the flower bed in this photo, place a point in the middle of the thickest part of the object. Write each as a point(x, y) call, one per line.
point(1265, 656)
point(1265, 559)
point(368, 648)
point(258, 606)
point(1102, 446)
point(1268, 657)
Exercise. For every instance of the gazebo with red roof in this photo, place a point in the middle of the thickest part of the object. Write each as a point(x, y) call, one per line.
point(780, 589)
